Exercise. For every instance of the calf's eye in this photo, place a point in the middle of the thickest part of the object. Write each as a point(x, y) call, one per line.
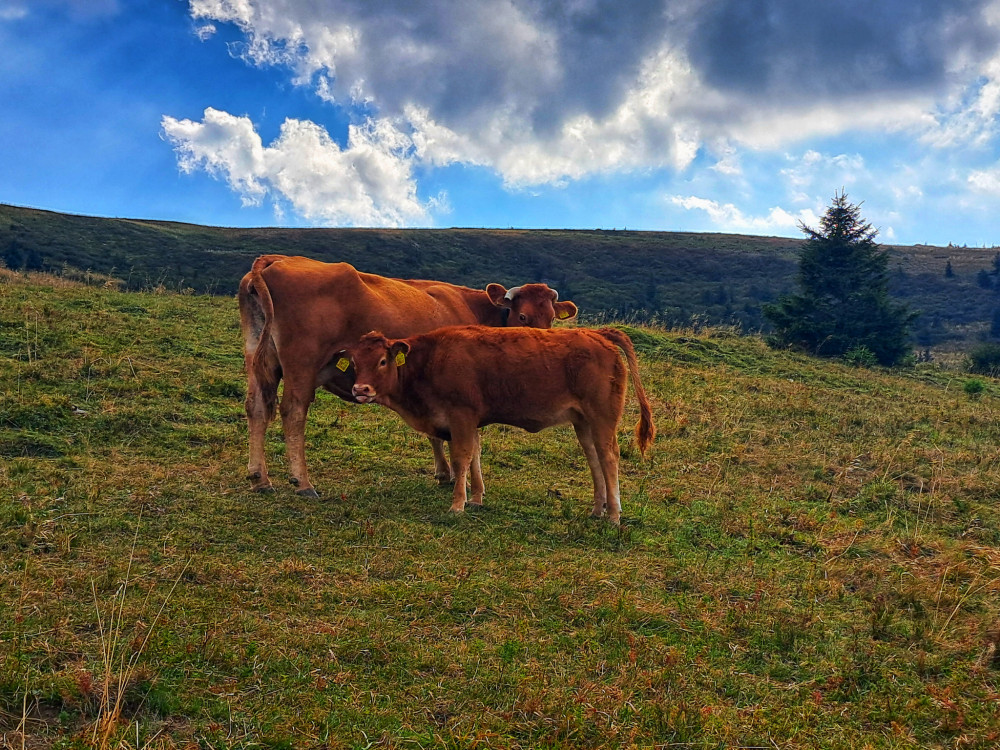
point(524, 317)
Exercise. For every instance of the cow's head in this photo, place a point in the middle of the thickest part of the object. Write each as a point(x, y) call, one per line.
point(531, 305)
point(376, 362)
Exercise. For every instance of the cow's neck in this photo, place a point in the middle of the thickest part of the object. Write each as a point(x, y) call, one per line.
point(485, 311)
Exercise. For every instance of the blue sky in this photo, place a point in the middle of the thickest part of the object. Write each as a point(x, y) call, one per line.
point(697, 115)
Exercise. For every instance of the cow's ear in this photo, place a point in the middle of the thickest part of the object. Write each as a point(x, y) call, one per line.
point(341, 360)
point(565, 310)
point(497, 294)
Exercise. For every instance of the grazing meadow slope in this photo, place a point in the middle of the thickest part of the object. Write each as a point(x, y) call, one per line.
point(809, 558)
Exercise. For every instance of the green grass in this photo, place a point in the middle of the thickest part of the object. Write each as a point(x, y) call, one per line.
point(810, 557)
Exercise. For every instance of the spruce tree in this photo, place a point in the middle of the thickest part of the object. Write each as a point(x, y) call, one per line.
point(844, 299)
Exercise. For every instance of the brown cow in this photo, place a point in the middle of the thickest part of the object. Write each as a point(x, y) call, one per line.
point(296, 313)
point(450, 382)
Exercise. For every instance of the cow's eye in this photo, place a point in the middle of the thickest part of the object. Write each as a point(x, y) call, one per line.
point(524, 318)
point(382, 363)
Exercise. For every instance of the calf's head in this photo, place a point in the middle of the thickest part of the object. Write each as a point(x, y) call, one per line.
point(376, 363)
point(531, 305)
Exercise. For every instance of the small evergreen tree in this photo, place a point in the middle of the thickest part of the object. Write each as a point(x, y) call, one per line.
point(844, 299)
point(995, 324)
point(13, 256)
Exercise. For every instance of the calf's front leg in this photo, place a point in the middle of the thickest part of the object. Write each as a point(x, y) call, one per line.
point(464, 451)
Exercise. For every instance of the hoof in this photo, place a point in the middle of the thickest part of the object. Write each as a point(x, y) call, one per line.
point(308, 492)
point(264, 489)
point(443, 479)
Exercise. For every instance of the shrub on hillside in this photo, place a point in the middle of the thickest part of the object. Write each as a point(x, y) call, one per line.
point(985, 359)
point(860, 356)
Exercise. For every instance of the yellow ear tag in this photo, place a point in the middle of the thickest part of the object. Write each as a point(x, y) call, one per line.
point(400, 359)
point(563, 314)
point(343, 363)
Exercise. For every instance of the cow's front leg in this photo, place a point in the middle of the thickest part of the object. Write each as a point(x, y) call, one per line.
point(294, 408)
point(478, 487)
point(463, 446)
point(442, 469)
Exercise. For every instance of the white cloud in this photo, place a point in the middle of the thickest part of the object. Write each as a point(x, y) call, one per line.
point(726, 217)
point(368, 183)
point(10, 11)
point(816, 172)
point(546, 92)
point(985, 181)
point(205, 31)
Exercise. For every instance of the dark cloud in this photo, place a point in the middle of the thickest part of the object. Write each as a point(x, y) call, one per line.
point(601, 48)
point(815, 50)
point(507, 77)
point(543, 60)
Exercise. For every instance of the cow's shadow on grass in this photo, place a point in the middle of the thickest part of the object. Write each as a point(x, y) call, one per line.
point(417, 504)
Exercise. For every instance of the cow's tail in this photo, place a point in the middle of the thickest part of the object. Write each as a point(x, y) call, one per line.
point(260, 356)
point(645, 430)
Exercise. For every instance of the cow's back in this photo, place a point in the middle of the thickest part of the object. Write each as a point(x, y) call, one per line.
point(333, 304)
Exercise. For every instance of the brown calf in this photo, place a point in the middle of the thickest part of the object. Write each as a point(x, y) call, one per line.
point(450, 382)
point(296, 313)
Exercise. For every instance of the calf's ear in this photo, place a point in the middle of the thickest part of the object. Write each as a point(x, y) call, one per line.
point(398, 351)
point(565, 310)
point(497, 294)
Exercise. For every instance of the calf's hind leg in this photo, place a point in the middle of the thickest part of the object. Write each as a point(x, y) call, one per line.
point(606, 445)
point(586, 438)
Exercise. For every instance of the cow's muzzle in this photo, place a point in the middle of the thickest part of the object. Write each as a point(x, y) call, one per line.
point(363, 393)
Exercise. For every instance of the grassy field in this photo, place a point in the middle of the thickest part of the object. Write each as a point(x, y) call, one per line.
point(810, 557)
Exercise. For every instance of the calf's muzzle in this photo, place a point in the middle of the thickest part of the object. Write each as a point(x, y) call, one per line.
point(363, 392)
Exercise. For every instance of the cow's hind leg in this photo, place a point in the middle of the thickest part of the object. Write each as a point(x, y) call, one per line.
point(586, 438)
point(262, 396)
point(299, 393)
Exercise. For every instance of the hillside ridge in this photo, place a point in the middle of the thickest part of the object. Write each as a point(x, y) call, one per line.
point(673, 278)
